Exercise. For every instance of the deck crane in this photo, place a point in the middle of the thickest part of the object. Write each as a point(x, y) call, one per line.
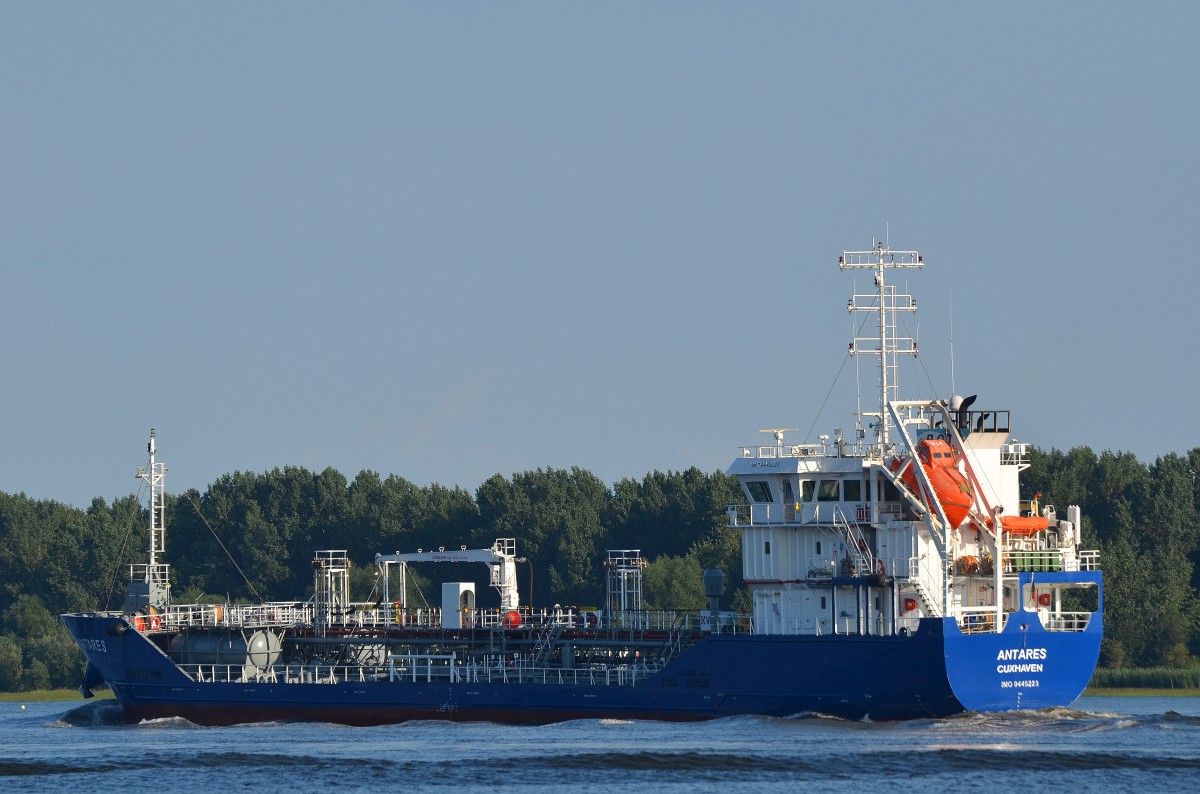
point(501, 560)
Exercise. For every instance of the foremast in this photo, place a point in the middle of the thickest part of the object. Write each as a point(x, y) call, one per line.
point(149, 583)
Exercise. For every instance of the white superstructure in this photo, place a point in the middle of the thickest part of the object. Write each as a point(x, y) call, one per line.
point(864, 536)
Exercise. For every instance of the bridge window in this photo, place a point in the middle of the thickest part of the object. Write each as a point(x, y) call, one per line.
point(759, 491)
point(806, 490)
point(852, 490)
point(789, 495)
point(827, 491)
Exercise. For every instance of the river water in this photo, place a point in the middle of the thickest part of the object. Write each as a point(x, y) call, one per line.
point(1118, 743)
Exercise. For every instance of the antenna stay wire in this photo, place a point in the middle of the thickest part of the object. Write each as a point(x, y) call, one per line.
point(121, 554)
point(808, 434)
point(817, 418)
point(200, 513)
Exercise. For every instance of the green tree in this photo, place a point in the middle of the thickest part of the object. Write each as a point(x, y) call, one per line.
point(28, 617)
point(368, 513)
point(60, 655)
point(107, 549)
point(1117, 483)
point(555, 515)
point(36, 676)
point(11, 664)
point(677, 513)
point(1166, 498)
point(1062, 478)
point(674, 583)
point(48, 655)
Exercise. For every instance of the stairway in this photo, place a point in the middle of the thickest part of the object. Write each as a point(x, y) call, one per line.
point(861, 561)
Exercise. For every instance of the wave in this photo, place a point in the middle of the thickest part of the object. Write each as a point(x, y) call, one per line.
point(95, 714)
point(1175, 718)
point(1055, 720)
point(101, 713)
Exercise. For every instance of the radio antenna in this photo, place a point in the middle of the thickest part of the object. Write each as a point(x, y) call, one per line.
point(952, 390)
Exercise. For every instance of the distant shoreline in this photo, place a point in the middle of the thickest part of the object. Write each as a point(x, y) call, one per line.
point(50, 695)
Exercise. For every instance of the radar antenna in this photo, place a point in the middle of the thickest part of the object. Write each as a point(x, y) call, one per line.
point(778, 432)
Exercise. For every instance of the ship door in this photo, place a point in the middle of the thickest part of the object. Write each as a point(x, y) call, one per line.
point(458, 605)
point(808, 612)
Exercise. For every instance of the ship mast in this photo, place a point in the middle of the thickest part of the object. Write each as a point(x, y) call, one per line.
point(149, 584)
point(886, 302)
point(153, 474)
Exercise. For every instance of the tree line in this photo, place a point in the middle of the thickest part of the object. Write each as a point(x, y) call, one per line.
point(251, 536)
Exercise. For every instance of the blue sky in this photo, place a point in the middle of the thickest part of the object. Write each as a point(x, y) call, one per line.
point(446, 241)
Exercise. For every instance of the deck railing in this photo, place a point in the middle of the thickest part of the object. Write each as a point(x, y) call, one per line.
point(1066, 621)
point(428, 668)
point(370, 617)
point(979, 620)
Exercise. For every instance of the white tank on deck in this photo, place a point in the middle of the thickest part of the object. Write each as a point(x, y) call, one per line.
point(259, 648)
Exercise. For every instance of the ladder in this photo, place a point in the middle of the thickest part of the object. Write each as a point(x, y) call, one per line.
point(861, 561)
point(547, 639)
point(929, 604)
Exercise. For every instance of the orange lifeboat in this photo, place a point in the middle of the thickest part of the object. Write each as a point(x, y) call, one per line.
point(1024, 525)
point(941, 467)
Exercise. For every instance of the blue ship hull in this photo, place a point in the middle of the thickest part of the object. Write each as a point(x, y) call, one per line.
point(936, 671)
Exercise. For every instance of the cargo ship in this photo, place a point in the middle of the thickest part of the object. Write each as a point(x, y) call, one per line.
point(894, 572)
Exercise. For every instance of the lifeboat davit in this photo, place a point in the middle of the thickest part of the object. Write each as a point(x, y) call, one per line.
point(941, 467)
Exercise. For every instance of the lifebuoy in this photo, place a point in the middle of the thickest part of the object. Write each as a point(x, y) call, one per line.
point(1044, 599)
point(908, 605)
point(155, 623)
point(879, 567)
